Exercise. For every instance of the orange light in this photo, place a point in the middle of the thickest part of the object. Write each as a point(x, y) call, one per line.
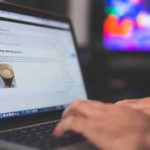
point(127, 26)
point(124, 28)
point(110, 25)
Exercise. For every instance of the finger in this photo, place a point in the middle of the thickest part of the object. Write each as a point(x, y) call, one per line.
point(127, 101)
point(133, 101)
point(98, 104)
point(84, 108)
point(77, 108)
point(76, 124)
point(136, 103)
point(145, 99)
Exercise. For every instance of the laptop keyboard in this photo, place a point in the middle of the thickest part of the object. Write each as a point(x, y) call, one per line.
point(40, 136)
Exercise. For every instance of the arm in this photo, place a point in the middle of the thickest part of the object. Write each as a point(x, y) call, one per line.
point(110, 127)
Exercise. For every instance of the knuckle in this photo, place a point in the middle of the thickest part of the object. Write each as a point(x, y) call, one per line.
point(69, 123)
point(76, 103)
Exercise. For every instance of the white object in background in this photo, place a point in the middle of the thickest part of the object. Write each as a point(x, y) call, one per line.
point(79, 12)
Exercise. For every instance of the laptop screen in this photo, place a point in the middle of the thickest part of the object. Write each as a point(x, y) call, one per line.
point(39, 68)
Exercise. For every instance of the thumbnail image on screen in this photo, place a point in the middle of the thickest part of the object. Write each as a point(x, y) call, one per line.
point(127, 25)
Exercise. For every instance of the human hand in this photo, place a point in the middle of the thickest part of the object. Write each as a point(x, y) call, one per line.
point(142, 104)
point(109, 127)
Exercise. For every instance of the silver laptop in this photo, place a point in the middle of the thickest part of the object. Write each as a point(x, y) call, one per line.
point(40, 76)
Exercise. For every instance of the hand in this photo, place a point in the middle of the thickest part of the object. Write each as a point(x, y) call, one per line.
point(142, 104)
point(109, 127)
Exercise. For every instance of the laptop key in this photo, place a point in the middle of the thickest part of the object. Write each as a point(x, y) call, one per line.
point(40, 136)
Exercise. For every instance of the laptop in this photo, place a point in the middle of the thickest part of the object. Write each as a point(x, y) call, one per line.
point(40, 75)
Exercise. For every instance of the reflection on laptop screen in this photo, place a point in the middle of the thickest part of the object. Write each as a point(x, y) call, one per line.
point(39, 69)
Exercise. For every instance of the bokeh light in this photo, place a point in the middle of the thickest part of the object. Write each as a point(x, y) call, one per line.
point(127, 25)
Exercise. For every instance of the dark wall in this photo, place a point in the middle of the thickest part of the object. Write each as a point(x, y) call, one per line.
point(97, 18)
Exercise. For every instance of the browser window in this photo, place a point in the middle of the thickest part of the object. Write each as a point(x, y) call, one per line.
point(39, 67)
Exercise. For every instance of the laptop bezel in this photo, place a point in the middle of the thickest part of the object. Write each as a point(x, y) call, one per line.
point(19, 121)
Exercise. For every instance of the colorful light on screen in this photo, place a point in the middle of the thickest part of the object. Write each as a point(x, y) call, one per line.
point(136, 1)
point(127, 25)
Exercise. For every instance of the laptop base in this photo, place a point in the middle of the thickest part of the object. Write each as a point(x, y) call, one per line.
point(4, 145)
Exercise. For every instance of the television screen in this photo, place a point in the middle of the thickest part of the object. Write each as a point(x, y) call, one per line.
point(127, 25)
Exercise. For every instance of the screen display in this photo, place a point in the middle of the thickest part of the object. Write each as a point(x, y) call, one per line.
point(127, 25)
point(39, 68)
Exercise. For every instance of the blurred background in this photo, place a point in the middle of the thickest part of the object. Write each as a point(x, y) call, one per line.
point(114, 43)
